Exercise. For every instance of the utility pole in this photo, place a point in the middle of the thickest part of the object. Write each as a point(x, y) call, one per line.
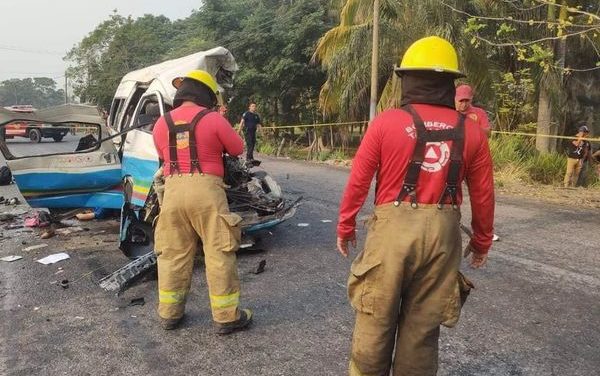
point(66, 88)
point(374, 61)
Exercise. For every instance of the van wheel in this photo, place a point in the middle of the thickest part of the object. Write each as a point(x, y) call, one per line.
point(57, 138)
point(35, 135)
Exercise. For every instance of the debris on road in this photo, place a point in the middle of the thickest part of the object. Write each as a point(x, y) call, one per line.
point(12, 202)
point(87, 216)
point(34, 247)
point(48, 234)
point(11, 258)
point(64, 283)
point(247, 242)
point(5, 217)
point(326, 220)
point(70, 222)
point(137, 301)
point(124, 275)
point(51, 259)
point(5, 177)
point(38, 218)
point(261, 267)
point(13, 227)
point(303, 224)
point(69, 230)
point(496, 238)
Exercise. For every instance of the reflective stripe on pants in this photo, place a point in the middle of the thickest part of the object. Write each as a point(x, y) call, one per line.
point(172, 297)
point(225, 301)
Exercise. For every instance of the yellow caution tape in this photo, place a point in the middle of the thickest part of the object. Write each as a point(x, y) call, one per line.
point(494, 132)
point(546, 136)
point(315, 125)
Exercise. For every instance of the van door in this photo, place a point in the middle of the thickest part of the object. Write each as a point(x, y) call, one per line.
point(73, 173)
point(140, 160)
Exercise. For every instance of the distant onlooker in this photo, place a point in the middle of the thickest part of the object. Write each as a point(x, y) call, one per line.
point(463, 101)
point(577, 152)
point(249, 124)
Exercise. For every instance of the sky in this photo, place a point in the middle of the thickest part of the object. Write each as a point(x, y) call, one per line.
point(36, 34)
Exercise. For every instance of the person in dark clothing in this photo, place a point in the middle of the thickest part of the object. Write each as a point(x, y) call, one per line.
point(249, 124)
point(577, 152)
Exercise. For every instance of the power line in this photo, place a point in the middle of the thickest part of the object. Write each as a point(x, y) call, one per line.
point(38, 74)
point(42, 52)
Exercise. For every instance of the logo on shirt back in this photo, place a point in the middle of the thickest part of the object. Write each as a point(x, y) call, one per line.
point(437, 154)
point(183, 138)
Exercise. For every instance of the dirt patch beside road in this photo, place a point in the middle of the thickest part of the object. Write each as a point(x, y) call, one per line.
point(576, 197)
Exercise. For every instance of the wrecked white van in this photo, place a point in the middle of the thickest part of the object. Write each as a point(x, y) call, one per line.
point(110, 164)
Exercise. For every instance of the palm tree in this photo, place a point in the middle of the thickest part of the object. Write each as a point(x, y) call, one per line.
point(344, 52)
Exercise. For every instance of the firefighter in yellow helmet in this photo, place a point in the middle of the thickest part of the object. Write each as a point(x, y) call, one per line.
point(406, 283)
point(190, 141)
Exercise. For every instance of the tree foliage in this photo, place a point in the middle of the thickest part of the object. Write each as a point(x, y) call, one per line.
point(39, 92)
point(271, 40)
point(116, 47)
point(555, 42)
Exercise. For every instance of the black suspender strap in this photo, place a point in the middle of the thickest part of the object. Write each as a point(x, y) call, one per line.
point(194, 161)
point(409, 186)
point(173, 164)
point(180, 128)
point(451, 188)
point(457, 135)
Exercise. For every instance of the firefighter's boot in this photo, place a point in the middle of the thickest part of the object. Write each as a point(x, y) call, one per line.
point(239, 324)
point(170, 324)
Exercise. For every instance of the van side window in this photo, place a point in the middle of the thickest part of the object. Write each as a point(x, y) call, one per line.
point(148, 113)
point(115, 108)
point(129, 111)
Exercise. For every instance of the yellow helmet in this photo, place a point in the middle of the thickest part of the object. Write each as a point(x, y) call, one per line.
point(201, 76)
point(430, 54)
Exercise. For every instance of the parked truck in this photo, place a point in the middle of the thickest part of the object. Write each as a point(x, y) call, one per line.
point(34, 132)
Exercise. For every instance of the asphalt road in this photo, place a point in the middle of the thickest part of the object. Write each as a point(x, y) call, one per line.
point(22, 147)
point(535, 310)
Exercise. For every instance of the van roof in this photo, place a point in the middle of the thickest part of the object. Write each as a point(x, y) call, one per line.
point(213, 61)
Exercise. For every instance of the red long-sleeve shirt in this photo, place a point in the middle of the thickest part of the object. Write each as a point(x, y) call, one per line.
point(479, 116)
point(387, 149)
point(214, 135)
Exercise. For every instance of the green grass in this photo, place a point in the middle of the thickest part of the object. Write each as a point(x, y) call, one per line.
point(516, 159)
point(266, 147)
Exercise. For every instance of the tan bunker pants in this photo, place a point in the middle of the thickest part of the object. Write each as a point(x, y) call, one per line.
point(403, 285)
point(572, 173)
point(195, 207)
